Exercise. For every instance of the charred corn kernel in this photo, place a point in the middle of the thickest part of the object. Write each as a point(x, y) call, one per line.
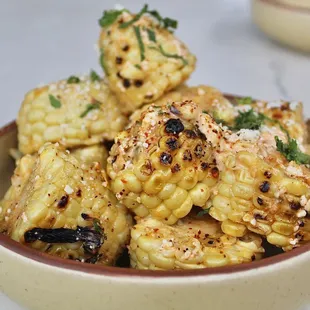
point(78, 114)
point(140, 68)
point(51, 190)
point(90, 154)
point(210, 99)
point(189, 244)
point(169, 161)
point(256, 190)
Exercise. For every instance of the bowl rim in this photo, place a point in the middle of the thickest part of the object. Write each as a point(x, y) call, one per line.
point(53, 261)
point(286, 6)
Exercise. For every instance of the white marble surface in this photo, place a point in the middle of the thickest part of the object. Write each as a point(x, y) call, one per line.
point(42, 41)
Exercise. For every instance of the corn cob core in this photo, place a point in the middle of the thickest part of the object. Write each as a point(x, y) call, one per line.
point(162, 165)
point(60, 192)
point(208, 98)
point(260, 191)
point(140, 69)
point(78, 114)
point(90, 154)
point(189, 244)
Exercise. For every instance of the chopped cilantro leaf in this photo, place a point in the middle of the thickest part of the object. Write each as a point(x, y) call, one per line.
point(136, 18)
point(151, 34)
point(54, 102)
point(97, 226)
point(140, 42)
point(245, 100)
point(249, 120)
point(90, 107)
point(203, 212)
point(162, 51)
point(73, 79)
point(291, 151)
point(138, 67)
point(109, 17)
point(164, 22)
point(94, 76)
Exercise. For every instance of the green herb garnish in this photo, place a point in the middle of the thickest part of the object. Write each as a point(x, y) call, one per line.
point(151, 34)
point(54, 102)
point(245, 100)
point(164, 22)
point(161, 50)
point(94, 77)
point(140, 42)
point(203, 212)
point(136, 18)
point(249, 120)
point(291, 151)
point(97, 226)
point(90, 107)
point(73, 79)
point(102, 63)
point(138, 67)
point(109, 17)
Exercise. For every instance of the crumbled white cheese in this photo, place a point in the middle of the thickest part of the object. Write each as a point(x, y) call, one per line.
point(253, 222)
point(303, 200)
point(301, 213)
point(243, 108)
point(293, 241)
point(68, 189)
point(6, 218)
point(151, 118)
point(201, 92)
point(1, 210)
point(24, 217)
point(274, 104)
point(244, 134)
point(294, 105)
point(8, 211)
point(52, 87)
point(294, 170)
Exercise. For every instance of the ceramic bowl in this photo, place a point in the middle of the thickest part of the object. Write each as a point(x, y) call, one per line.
point(286, 21)
point(41, 282)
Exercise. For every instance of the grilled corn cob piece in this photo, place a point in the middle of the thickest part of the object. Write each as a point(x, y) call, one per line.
point(73, 114)
point(64, 209)
point(90, 154)
point(189, 244)
point(163, 164)
point(259, 189)
point(142, 59)
point(208, 98)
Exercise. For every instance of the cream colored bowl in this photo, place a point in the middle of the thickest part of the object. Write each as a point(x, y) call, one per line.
point(41, 282)
point(287, 21)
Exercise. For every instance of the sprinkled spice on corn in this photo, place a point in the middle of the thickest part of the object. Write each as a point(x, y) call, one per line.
point(57, 206)
point(141, 57)
point(162, 165)
point(189, 244)
point(73, 114)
